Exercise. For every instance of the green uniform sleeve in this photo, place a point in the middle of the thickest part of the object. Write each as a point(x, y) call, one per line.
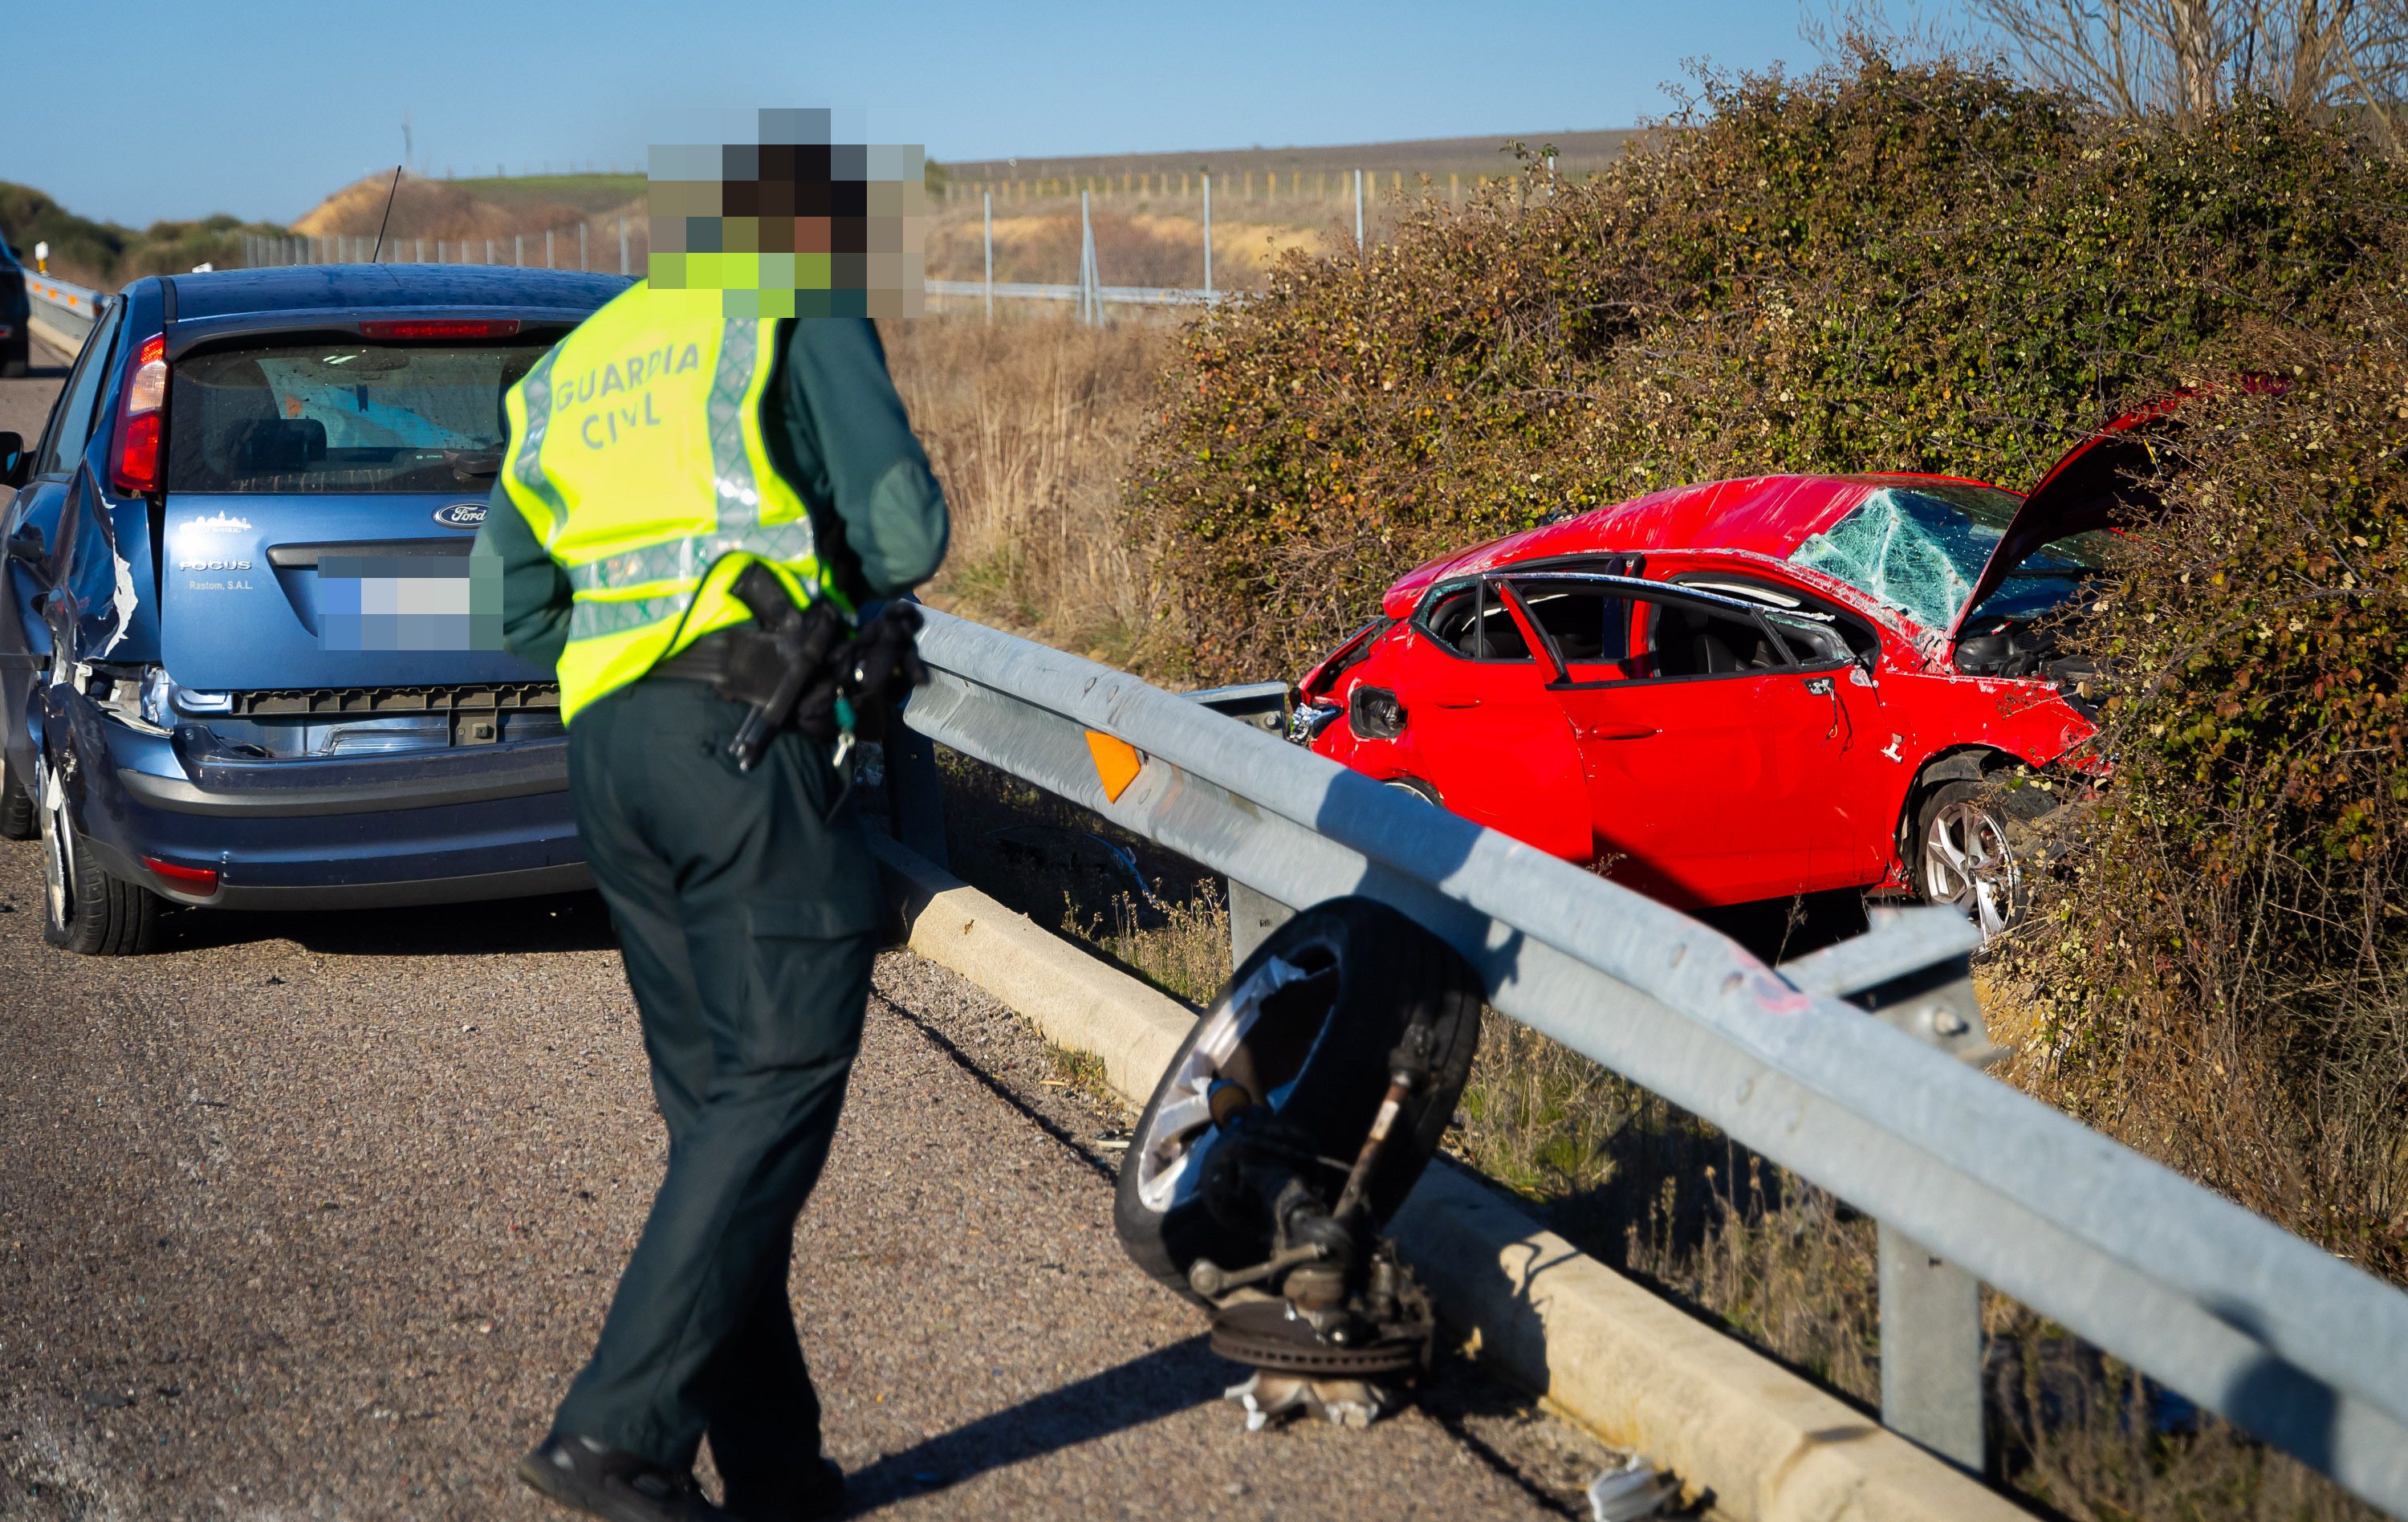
point(535, 590)
point(848, 434)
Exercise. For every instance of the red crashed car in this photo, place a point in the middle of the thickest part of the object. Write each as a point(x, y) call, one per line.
point(1750, 689)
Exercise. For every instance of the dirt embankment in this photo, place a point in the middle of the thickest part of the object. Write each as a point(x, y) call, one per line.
point(431, 209)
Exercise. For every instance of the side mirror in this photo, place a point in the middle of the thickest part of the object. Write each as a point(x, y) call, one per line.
point(26, 544)
point(14, 459)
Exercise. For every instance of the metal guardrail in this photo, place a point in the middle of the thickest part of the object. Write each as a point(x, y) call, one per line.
point(67, 310)
point(2287, 1343)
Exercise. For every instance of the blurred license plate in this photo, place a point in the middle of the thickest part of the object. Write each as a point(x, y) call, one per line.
point(410, 602)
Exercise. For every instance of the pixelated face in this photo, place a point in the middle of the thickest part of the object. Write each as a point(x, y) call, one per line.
point(793, 225)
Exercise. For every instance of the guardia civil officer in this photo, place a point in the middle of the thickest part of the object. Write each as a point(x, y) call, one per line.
point(656, 453)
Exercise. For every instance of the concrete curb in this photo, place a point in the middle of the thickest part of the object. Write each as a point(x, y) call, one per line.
point(57, 338)
point(1607, 1354)
point(1079, 1002)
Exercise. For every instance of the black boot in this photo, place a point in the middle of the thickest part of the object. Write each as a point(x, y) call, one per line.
point(606, 1482)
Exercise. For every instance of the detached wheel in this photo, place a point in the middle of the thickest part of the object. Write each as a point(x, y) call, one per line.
point(16, 805)
point(84, 910)
point(1308, 1024)
point(1966, 854)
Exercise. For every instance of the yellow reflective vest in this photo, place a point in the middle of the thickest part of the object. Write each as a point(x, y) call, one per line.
point(636, 457)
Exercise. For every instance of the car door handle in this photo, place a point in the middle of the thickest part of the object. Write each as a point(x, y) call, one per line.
point(1454, 702)
point(1612, 731)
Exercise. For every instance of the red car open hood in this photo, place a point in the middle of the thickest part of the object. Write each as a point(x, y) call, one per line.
point(2108, 481)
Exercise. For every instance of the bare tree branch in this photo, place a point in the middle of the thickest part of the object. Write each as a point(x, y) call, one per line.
point(2190, 59)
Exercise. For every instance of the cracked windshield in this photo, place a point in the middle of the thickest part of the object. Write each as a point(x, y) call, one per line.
point(1921, 552)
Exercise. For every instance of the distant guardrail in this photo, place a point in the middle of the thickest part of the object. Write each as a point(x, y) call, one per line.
point(64, 314)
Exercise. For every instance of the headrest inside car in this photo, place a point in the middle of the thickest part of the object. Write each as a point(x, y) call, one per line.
point(269, 445)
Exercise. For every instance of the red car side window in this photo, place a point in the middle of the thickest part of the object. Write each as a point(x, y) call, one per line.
point(1686, 639)
point(1469, 619)
point(1587, 623)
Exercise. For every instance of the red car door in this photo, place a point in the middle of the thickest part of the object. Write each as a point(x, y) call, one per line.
point(1481, 727)
point(1707, 754)
point(1862, 779)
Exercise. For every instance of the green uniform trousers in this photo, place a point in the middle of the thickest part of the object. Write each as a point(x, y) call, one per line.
point(748, 919)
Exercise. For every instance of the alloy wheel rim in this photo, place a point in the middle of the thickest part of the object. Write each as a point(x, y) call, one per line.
point(1966, 862)
point(1168, 1157)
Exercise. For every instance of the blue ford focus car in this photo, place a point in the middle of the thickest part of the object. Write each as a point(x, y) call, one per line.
point(246, 658)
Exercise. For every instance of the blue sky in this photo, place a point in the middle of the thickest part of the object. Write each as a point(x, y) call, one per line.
point(262, 107)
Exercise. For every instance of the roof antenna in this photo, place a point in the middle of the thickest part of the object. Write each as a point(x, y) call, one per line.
point(387, 220)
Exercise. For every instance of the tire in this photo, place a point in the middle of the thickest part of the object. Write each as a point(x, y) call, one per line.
point(1310, 1019)
point(84, 910)
point(16, 806)
point(15, 367)
point(1417, 787)
point(1969, 853)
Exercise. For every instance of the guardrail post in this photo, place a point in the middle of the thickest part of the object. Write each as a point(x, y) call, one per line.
point(1910, 970)
point(915, 796)
point(1208, 241)
point(1252, 916)
point(1090, 310)
point(1930, 1350)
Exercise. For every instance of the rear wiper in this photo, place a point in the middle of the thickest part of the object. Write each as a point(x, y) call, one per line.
point(474, 463)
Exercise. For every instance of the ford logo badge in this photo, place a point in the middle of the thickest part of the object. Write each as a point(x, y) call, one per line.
point(461, 515)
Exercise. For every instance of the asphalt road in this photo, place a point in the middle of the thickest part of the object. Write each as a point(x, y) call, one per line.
point(23, 404)
point(313, 1216)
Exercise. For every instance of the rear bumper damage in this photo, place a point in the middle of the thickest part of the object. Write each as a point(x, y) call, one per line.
point(450, 825)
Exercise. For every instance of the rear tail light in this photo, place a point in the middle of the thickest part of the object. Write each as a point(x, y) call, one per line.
point(439, 327)
point(200, 880)
point(133, 467)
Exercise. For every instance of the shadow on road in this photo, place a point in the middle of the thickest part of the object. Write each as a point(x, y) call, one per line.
point(1163, 1382)
point(511, 927)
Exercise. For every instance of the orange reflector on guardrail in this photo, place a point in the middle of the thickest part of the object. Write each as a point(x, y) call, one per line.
point(1117, 763)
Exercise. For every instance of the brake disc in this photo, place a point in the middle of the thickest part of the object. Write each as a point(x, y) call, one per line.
point(1266, 1335)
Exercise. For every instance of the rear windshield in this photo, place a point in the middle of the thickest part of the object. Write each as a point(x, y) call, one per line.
point(341, 416)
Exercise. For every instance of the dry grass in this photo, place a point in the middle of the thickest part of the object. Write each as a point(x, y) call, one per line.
point(1182, 946)
point(1150, 244)
point(1029, 423)
point(1084, 1074)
